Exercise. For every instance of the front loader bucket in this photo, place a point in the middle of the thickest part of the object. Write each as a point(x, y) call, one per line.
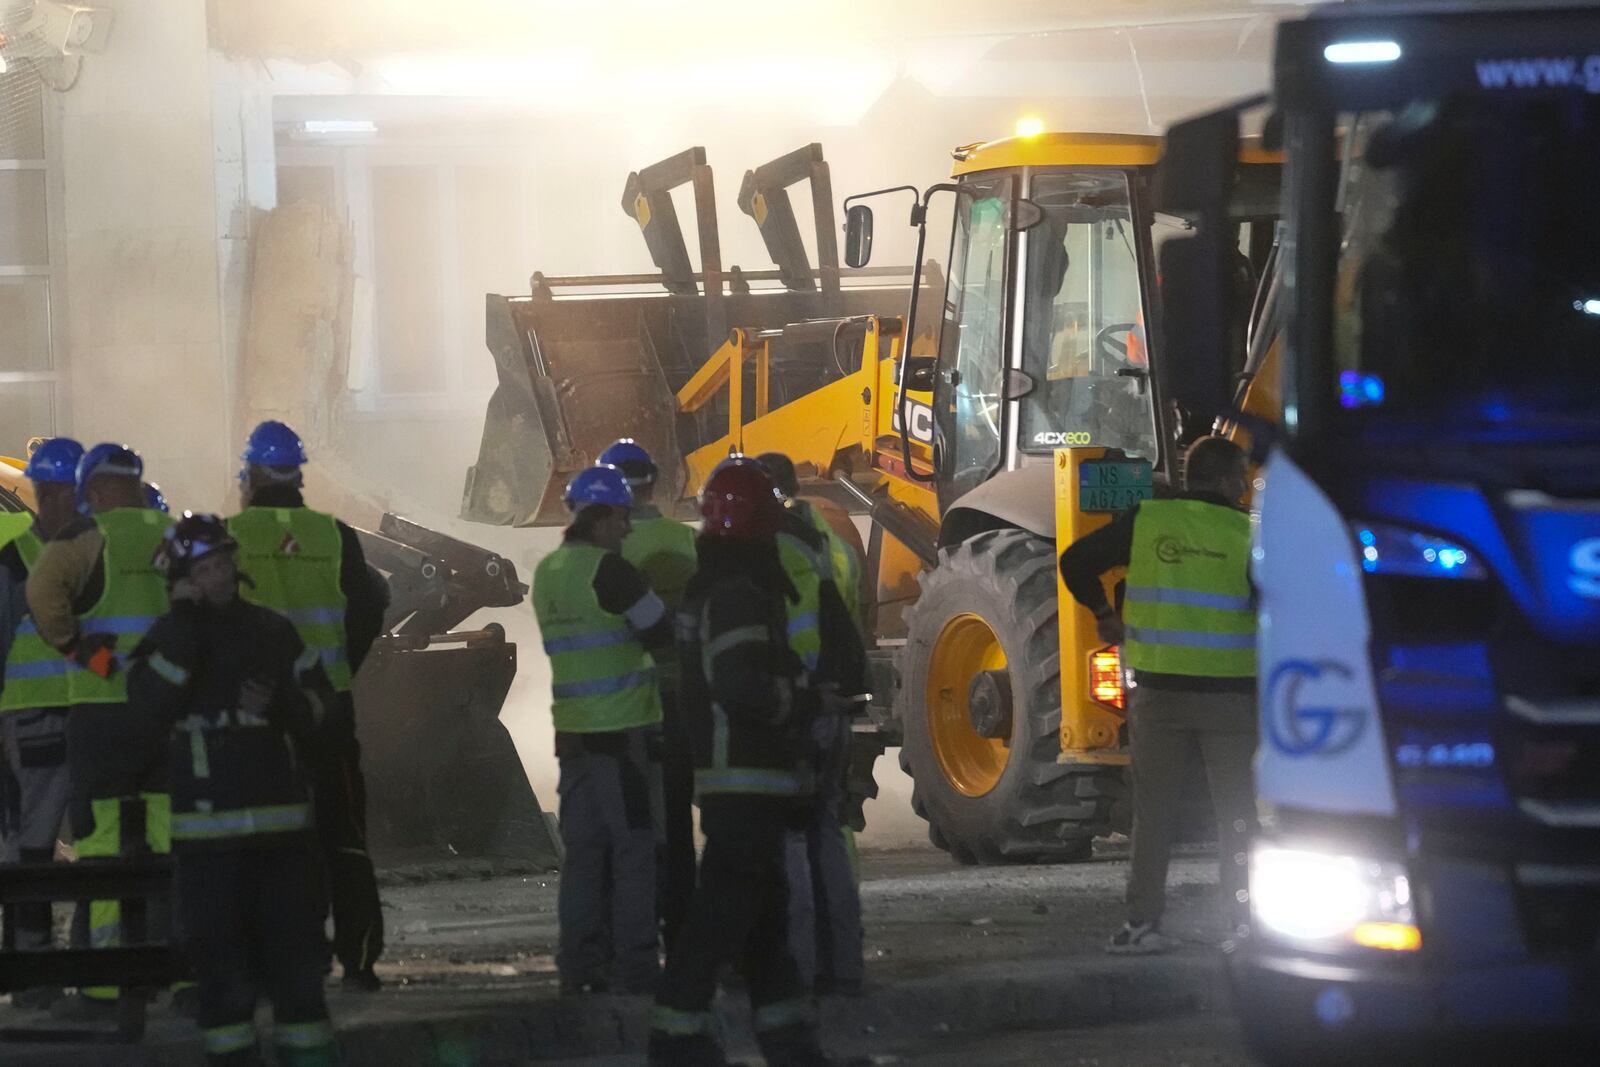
point(443, 776)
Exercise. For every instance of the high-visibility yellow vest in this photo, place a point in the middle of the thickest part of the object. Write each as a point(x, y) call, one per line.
point(35, 673)
point(846, 565)
point(662, 549)
point(602, 678)
point(1188, 608)
point(805, 569)
point(293, 556)
point(133, 598)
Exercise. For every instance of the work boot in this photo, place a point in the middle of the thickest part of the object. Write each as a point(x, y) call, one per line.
point(795, 1045)
point(691, 1050)
point(77, 1008)
point(1138, 939)
point(364, 981)
point(39, 998)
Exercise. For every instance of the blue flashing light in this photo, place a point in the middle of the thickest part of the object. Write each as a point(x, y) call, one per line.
point(1360, 390)
point(1388, 549)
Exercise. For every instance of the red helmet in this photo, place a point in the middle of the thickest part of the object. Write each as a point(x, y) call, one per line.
point(741, 500)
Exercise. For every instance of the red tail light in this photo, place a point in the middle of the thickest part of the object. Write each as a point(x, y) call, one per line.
point(1105, 677)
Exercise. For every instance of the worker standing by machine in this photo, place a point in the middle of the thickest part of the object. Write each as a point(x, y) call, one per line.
point(238, 694)
point(662, 549)
point(825, 901)
point(1188, 637)
point(33, 691)
point(599, 621)
point(310, 567)
point(92, 594)
point(750, 708)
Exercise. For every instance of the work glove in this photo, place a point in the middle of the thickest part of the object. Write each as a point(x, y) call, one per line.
point(96, 653)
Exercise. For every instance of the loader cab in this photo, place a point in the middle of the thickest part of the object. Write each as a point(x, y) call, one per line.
point(1047, 330)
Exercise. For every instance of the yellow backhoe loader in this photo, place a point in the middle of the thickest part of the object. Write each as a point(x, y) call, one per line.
point(1027, 411)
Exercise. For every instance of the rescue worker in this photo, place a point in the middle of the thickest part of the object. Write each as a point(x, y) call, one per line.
point(310, 567)
point(749, 708)
point(33, 692)
point(662, 549)
point(1188, 643)
point(93, 593)
point(825, 901)
point(599, 620)
point(237, 693)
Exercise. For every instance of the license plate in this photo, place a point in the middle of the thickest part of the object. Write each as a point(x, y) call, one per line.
point(1114, 484)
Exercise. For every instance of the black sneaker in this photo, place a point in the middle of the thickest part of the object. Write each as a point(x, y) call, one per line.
point(1138, 939)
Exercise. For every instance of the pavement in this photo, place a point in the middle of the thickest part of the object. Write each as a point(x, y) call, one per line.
point(954, 954)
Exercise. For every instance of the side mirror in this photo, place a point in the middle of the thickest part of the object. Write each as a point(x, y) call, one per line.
point(921, 372)
point(1195, 179)
point(857, 235)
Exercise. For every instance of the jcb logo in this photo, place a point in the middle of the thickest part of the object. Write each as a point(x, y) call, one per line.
point(1059, 439)
point(921, 422)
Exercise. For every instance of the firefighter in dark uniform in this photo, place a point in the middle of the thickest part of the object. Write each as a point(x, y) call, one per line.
point(662, 549)
point(310, 567)
point(825, 905)
point(239, 695)
point(749, 711)
point(599, 621)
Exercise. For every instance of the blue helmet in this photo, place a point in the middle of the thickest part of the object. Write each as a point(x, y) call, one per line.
point(634, 461)
point(155, 499)
point(600, 484)
point(106, 458)
point(272, 444)
point(55, 461)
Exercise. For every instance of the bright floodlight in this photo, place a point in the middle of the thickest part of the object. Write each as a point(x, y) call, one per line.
point(1362, 52)
point(1030, 126)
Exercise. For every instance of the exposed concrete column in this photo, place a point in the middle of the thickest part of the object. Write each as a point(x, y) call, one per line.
point(145, 316)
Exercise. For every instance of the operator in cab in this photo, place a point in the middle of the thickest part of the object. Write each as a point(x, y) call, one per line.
point(600, 622)
point(1188, 635)
point(662, 549)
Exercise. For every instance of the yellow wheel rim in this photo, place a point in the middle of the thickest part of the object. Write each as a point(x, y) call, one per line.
point(965, 647)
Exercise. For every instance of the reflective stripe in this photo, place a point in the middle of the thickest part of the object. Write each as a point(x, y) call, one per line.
point(783, 1013)
point(804, 621)
point(739, 635)
point(168, 670)
point(106, 935)
point(1194, 639)
point(235, 1037)
point(584, 642)
point(44, 668)
point(309, 657)
point(1189, 598)
point(604, 686)
point(748, 780)
point(314, 616)
point(671, 1021)
point(205, 825)
point(27, 627)
point(118, 624)
point(303, 1035)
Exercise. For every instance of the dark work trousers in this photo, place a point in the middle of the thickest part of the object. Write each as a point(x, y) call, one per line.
point(112, 754)
point(824, 903)
point(36, 751)
point(675, 857)
point(1166, 729)
point(252, 921)
point(610, 797)
point(739, 914)
point(341, 798)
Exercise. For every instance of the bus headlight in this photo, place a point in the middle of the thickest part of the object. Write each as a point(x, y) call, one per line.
point(1329, 901)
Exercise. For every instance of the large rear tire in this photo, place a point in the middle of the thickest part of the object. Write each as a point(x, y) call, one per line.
point(983, 636)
